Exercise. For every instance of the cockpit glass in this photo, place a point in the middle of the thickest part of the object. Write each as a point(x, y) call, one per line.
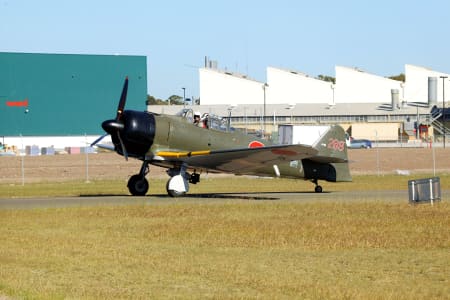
point(186, 113)
point(212, 121)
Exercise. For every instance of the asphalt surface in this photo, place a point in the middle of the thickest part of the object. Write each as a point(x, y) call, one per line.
point(115, 200)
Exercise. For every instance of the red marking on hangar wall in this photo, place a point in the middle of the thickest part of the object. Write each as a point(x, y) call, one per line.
point(23, 103)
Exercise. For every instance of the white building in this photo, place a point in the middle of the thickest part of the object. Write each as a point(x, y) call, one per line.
point(221, 87)
point(365, 104)
point(416, 83)
point(356, 86)
point(292, 87)
point(287, 86)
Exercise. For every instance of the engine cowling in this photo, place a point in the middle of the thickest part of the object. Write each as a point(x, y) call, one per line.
point(136, 129)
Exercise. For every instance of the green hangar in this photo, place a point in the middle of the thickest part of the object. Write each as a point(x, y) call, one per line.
point(66, 94)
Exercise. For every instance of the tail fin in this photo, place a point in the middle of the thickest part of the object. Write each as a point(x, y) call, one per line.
point(331, 146)
point(331, 161)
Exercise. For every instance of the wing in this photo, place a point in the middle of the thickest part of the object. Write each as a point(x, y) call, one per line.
point(238, 160)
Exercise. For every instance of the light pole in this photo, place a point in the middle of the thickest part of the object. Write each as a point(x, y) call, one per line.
point(230, 109)
point(184, 96)
point(443, 104)
point(417, 122)
point(402, 85)
point(264, 110)
point(245, 119)
point(332, 90)
point(291, 108)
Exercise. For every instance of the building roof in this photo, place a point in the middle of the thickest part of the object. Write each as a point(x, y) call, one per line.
point(340, 109)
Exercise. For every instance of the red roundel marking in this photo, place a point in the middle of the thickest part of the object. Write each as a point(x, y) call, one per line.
point(255, 144)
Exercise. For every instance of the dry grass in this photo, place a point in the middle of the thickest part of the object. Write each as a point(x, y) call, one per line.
point(228, 249)
point(223, 249)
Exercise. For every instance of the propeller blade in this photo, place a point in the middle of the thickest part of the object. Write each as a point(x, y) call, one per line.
point(98, 140)
point(124, 150)
point(106, 147)
point(123, 99)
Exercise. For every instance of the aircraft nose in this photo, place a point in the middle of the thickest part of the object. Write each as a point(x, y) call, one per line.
point(133, 134)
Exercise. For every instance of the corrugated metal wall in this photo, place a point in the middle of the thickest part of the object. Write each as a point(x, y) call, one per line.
point(66, 94)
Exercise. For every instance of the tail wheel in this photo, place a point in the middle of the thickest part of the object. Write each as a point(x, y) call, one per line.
point(318, 188)
point(138, 185)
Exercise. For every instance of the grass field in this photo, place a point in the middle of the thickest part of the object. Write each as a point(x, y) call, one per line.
point(227, 249)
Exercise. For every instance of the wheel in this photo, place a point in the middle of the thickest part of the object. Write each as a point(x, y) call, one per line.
point(173, 193)
point(318, 189)
point(138, 185)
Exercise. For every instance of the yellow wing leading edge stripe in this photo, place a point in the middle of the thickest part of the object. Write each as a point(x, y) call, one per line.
point(182, 154)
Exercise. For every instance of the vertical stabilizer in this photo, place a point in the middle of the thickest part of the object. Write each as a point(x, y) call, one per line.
point(331, 163)
point(332, 146)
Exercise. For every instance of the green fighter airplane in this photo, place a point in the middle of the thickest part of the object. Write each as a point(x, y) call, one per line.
point(186, 150)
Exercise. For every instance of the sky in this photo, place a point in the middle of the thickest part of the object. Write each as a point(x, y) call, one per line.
point(312, 37)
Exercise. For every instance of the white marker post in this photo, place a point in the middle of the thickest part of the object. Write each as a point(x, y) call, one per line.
point(86, 150)
point(431, 191)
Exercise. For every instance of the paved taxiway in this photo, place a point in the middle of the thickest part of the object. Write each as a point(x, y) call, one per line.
point(112, 200)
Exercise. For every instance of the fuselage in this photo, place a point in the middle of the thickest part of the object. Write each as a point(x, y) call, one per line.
point(173, 133)
point(177, 134)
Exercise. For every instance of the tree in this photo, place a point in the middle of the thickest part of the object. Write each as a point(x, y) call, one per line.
point(153, 101)
point(327, 78)
point(399, 77)
point(172, 100)
point(175, 100)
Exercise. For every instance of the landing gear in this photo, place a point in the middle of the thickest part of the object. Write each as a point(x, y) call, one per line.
point(138, 184)
point(178, 184)
point(318, 188)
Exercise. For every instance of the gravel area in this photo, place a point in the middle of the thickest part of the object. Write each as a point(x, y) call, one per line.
point(112, 166)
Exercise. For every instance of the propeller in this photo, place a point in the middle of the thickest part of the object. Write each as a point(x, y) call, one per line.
point(120, 108)
point(124, 150)
point(116, 126)
point(123, 99)
point(98, 140)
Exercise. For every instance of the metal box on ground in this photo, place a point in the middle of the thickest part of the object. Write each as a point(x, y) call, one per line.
point(32, 150)
point(424, 190)
point(48, 151)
